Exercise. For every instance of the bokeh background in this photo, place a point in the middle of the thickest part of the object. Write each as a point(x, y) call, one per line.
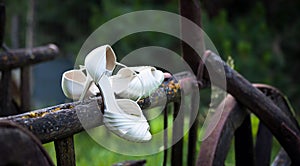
point(262, 37)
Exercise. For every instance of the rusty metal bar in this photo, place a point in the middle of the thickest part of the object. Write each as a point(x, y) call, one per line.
point(263, 146)
point(165, 160)
point(5, 96)
point(191, 10)
point(25, 89)
point(65, 153)
point(5, 88)
point(61, 121)
point(193, 133)
point(177, 135)
point(215, 147)
point(279, 124)
point(243, 144)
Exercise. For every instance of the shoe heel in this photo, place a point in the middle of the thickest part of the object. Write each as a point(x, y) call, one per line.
point(87, 85)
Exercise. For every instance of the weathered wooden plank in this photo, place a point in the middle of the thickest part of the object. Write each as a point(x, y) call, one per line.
point(286, 132)
point(243, 144)
point(24, 57)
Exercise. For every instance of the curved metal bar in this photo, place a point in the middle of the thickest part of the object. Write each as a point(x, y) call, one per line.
point(215, 148)
point(276, 120)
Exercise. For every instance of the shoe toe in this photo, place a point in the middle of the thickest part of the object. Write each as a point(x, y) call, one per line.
point(147, 137)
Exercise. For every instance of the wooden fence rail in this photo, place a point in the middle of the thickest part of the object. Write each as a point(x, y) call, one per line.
point(17, 58)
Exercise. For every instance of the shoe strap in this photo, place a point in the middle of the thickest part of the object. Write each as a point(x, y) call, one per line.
point(138, 76)
point(107, 72)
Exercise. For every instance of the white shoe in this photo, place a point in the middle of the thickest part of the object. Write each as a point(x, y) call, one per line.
point(126, 83)
point(129, 82)
point(133, 82)
point(125, 117)
point(72, 84)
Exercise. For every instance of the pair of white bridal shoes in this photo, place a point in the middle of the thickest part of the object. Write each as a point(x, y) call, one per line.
point(121, 116)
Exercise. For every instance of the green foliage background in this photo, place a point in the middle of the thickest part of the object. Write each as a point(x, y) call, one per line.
point(265, 46)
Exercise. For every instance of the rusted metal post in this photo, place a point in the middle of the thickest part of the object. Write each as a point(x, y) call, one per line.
point(65, 153)
point(26, 70)
point(276, 120)
point(165, 160)
point(243, 144)
point(177, 135)
point(191, 10)
point(215, 147)
point(5, 95)
point(5, 88)
point(263, 146)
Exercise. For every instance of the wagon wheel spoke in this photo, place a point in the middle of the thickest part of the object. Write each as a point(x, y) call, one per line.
point(263, 146)
point(236, 121)
point(215, 147)
point(243, 143)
